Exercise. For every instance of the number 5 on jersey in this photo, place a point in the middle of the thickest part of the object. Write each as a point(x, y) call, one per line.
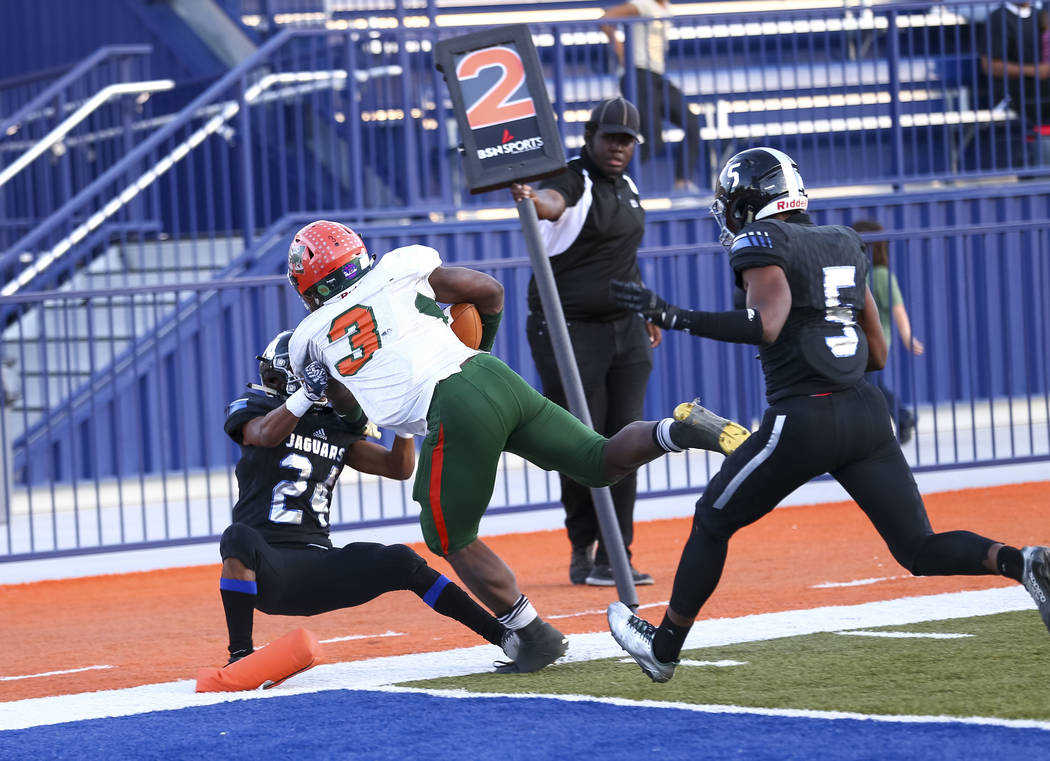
point(359, 323)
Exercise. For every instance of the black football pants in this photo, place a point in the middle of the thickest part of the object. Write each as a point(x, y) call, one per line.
point(307, 580)
point(848, 435)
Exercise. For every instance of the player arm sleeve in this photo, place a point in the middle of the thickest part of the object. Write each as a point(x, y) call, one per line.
point(489, 326)
point(739, 326)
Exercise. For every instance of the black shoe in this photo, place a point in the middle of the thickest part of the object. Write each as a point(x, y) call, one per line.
point(540, 644)
point(580, 564)
point(236, 655)
point(640, 579)
point(602, 576)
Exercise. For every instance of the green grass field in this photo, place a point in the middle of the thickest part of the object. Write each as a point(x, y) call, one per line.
point(1001, 669)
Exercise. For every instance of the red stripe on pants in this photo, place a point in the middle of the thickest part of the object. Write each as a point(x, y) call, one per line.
point(437, 457)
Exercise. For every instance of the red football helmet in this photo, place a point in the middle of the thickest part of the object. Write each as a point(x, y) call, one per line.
point(325, 259)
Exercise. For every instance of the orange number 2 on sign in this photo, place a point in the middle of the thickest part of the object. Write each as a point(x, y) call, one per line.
point(360, 324)
point(496, 106)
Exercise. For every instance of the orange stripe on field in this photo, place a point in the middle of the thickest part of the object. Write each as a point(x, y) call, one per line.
point(437, 460)
point(161, 626)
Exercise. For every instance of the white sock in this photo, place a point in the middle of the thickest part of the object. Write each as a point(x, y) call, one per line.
point(520, 615)
point(662, 436)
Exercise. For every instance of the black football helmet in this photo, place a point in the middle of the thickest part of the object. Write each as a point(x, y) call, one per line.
point(755, 184)
point(275, 367)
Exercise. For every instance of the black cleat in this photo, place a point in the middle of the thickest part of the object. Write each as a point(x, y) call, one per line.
point(699, 428)
point(540, 644)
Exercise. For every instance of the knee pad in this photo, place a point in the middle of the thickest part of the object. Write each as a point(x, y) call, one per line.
point(241, 541)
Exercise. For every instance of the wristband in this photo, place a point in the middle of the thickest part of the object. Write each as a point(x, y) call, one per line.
point(298, 403)
point(489, 326)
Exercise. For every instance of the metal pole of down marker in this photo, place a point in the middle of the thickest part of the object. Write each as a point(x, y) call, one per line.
point(612, 539)
point(518, 141)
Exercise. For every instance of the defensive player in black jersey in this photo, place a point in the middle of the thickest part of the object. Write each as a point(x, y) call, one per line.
point(815, 322)
point(277, 555)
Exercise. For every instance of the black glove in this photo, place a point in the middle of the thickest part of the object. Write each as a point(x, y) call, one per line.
point(315, 381)
point(637, 298)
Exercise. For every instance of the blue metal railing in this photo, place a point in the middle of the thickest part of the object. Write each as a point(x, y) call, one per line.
point(47, 156)
point(359, 120)
point(141, 432)
point(354, 125)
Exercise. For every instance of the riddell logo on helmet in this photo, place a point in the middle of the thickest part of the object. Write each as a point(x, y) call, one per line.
point(791, 203)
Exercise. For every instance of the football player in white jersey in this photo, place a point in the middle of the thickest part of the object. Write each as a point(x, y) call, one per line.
point(378, 329)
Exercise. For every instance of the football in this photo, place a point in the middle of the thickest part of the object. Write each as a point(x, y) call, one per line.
point(466, 323)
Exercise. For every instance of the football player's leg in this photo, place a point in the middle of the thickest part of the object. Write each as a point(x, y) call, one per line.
point(879, 479)
point(885, 489)
point(362, 571)
point(455, 474)
point(471, 417)
point(767, 467)
point(242, 549)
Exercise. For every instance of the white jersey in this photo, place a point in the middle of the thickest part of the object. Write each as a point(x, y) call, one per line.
point(386, 340)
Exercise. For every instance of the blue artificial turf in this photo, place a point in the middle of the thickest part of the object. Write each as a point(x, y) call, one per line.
point(376, 725)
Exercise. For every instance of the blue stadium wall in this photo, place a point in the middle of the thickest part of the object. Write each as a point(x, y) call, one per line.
point(160, 407)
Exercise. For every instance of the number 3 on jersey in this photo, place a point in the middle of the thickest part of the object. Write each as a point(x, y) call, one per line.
point(359, 323)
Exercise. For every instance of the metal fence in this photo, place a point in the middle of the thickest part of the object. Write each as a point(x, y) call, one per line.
point(133, 311)
point(117, 441)
point(66, 133)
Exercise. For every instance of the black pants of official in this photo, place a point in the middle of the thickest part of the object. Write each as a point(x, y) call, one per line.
point(304, 580)
point(848, 435)
point(615, 360)
point(658, 100)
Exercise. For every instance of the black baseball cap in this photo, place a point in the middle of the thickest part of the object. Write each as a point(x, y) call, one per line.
point(617, 115)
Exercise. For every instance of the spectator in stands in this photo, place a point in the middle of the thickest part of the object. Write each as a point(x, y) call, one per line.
point(277, 555)
point(8, 384)
point(1012, 56)
point(888, 299)
point(658, 98)
point(815, 324)
point(592, 222)
point(381, 335)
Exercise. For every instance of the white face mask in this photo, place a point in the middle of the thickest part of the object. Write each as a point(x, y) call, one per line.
point(718, 211)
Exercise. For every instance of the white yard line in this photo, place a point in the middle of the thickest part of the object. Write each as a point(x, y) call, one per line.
point(859, 582)
point(361, 636)
point(906, 635)
point(52, 673)
point(729, 709)
point(383, 672)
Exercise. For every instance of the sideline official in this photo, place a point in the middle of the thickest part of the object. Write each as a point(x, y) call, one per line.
point(592, 222)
